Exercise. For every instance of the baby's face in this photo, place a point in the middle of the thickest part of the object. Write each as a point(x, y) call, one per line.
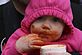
point(48, 28)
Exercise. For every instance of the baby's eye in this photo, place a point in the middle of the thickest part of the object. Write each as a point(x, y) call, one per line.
point(55, 20)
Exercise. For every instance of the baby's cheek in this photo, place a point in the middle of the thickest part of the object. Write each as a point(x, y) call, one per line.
point(54, 37)
point(34, 30)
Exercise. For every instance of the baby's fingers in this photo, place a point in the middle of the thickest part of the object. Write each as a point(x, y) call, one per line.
point(35, 44)
point(35, 47)
point(32, 35)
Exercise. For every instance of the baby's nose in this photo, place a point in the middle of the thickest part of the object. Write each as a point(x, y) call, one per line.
point(46, 26)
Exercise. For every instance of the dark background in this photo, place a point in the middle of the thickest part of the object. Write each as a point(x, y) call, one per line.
point(9, 20)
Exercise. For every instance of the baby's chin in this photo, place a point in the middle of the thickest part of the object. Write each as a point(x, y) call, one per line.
point(46, 40)
point(49, 39)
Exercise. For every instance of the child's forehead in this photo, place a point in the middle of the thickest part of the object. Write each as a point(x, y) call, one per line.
point(51, 18)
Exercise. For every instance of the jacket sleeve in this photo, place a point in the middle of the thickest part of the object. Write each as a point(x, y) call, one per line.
point(80, 47)
point(10, 46)
point(80, 51)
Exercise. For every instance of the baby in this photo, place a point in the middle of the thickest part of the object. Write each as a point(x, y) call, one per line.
point(46, 22)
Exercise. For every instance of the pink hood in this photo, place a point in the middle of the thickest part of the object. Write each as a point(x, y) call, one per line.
point(38, 8)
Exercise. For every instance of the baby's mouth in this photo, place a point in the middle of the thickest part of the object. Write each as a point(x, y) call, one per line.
point(44, 33)
point(44, 37)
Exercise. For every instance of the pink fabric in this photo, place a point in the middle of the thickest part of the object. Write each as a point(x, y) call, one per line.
point(57, 8)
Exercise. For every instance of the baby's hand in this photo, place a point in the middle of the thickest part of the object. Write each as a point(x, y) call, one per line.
point(26, 43)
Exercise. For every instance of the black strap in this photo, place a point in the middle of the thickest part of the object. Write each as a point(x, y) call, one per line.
point(75, 53)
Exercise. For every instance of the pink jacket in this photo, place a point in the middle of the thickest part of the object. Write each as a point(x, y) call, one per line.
point(72, 37)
